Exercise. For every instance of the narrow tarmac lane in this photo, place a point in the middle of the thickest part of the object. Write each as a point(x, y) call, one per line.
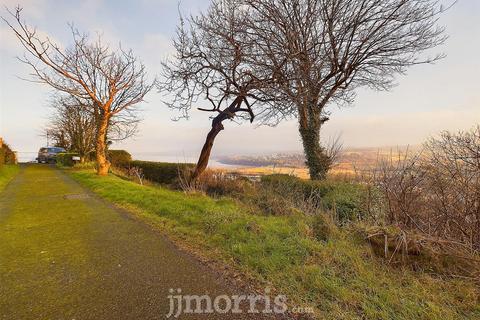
point(64, 254)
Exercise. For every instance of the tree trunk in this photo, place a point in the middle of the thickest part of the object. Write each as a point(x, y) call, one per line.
point(206, 150)
point(103, 165)
point(317, 161)
point(217, 126)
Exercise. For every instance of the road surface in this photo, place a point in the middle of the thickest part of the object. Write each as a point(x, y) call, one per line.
point(65, 254)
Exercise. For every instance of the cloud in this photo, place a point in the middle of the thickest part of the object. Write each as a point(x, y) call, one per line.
point(32, 12)
point(158, 44)
point(401, 128)
point(9, 44)
point(154, 49)
point(35, 9)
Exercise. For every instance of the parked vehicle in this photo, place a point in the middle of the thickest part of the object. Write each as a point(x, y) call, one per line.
point(49, 154)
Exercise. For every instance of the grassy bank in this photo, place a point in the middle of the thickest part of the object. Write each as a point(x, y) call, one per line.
point(7, 172)
point(338, 277)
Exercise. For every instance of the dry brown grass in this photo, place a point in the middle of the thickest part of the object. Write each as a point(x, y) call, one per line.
point(424, 253)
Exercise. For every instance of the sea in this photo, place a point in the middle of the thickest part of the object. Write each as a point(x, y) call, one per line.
point(30, 156)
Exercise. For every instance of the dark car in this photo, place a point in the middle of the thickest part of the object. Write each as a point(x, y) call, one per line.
point(49, 154)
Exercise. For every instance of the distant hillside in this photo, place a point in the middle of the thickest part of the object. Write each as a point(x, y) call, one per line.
point(291, 160)
point(349, 159)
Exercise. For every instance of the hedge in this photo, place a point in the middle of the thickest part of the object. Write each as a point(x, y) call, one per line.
point(119, 158)
point(64, 159)
point(7, 156)
point(161, 172)
point(2, 157)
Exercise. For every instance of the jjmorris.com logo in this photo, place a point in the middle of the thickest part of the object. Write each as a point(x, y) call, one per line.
point(224, 304)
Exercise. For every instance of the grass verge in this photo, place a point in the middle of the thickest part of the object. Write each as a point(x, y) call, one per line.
point(7, 173)
point(338, 277)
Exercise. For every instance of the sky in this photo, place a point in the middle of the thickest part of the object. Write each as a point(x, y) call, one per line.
point(425, 101)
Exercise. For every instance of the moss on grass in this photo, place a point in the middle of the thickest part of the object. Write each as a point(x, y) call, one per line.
point(25, 233)
point(65, 254)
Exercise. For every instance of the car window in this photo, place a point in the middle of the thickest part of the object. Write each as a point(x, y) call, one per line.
point(55, 150)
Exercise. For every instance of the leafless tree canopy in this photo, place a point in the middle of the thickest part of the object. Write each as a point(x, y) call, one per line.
point(112, 82)
point(335, 46)
point(72, 126)
point(213, 64)
point(295, 57)
point(437, 192)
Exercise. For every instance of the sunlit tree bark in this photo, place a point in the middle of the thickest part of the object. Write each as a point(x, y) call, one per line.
point(112, 82)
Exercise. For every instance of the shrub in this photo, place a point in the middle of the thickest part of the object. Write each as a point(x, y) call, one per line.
point(2, 157)
point(7, 156)
point(161, 172)
point(217, 183)
point(307, 188)
point(131, 173)
point(64, 159)
point(10, 157)
point(270, 203)
point(322, 226)
point(344, 199)
point(435, 191)
point(119, 158)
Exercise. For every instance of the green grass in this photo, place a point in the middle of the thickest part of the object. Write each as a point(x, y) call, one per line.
point(339, 277)
point(7, 173)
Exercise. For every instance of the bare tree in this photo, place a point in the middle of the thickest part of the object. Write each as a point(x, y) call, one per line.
point(333, 47)
point(213, 62)
point(73, 126)
point(301, 55)
point(57, 135)
point(113, 82)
